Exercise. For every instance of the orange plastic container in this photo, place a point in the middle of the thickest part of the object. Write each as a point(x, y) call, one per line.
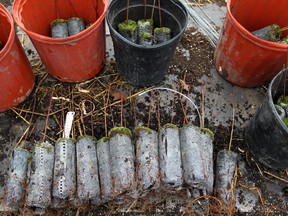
point(16, 74)
point(242, 58)
point(72, 59)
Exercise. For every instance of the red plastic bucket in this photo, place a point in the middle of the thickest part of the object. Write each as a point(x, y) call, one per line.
point(242, 58)
point(72, 59)
point(16, 74)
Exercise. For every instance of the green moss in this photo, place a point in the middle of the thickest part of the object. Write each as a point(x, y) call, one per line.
point(45, 145)
point(138, 129)
point(282, 99)
point(64, 139)
point(163, 30)
point(171, 126)
point(147, 20)
point(128, 26)
point(103, 139)
point(274, 33)
point(86, 137)
point(208, 131)
point(57, 21)
point(146, 35)
point(285, 40)
point(76, 18)
point(285, 120)
point(120, 130)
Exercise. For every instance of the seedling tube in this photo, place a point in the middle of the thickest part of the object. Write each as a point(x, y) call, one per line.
point(122, 160)
point(88, 188)
point(147, 165)
point(59, 28)
point(103, 156)
point(225, 167)
point(75, 25)
point(197, 158)
point(64, 181)
point(17, 178)
point(170, 157)
point(40, 184)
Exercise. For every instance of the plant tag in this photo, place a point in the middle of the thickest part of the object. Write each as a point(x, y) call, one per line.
point(68, 124)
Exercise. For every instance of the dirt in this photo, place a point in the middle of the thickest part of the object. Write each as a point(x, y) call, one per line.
point(109, 102)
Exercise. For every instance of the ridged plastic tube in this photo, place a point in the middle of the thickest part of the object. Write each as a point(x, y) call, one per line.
point(103, 155)
point(64, 181)
point(147, 157)
point(170, 157)
point(88, 188)
point(122, 160)
point(197, 158)
point(41, 176)
point(17, 178)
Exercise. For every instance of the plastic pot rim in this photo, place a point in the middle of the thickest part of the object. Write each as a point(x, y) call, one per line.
point(156, 46)
point(74, 38)
point(7, 47)
point(270, 100)
point(274, 46)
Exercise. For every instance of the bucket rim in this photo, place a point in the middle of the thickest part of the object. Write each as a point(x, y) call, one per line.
point(249, 36)
point(16, 12)
point(270, 98)
point(156, 46)
point(11, 37)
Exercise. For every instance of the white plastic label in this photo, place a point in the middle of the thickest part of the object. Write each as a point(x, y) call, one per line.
point(68, 124)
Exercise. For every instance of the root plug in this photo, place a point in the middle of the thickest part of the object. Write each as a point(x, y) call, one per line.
point(103, 155)
point(144, 26)
point(225, 168)
point(64, 181)
point(170, 157)
point(128, 29)
point(59, 28)
point(75, 25)
point(122, 160)
point(17, 178)
point(40, 184)
point(88, 188)
point(147, 169)
point(146, 39)
point(197, 158)
point(162, 34)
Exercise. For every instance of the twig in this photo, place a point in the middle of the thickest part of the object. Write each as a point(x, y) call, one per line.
point(153, 9)
point(47, 118)
point(160, 16)
point(172, 90)
point(203, 103)
point(158, 112)
point(150, 108)
point(127, 11)
point(275, 176)
point(145, 9)
point(233, 121)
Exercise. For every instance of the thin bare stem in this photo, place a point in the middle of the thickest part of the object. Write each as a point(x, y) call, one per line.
point(145, 9)
point(158, 113)
point(92, 127)
point(127, 11)
point(203, 103)
point(233, 121)
point(47, 118)
point(153, 9)
point(150, 108)
point(160, 16)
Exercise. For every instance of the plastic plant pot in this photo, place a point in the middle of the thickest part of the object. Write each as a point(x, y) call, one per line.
point(266, 134)
point(16, 77)
point(72, 59)
point(145, 65)
point(242, 58)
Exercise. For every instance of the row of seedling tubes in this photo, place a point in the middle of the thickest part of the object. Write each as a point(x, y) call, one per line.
point(117, 168)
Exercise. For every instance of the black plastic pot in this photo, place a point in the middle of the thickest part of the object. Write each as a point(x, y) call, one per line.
point(145, 65)
point(266, 134)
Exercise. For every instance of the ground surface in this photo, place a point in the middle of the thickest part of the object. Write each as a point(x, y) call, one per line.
point(107, 101)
